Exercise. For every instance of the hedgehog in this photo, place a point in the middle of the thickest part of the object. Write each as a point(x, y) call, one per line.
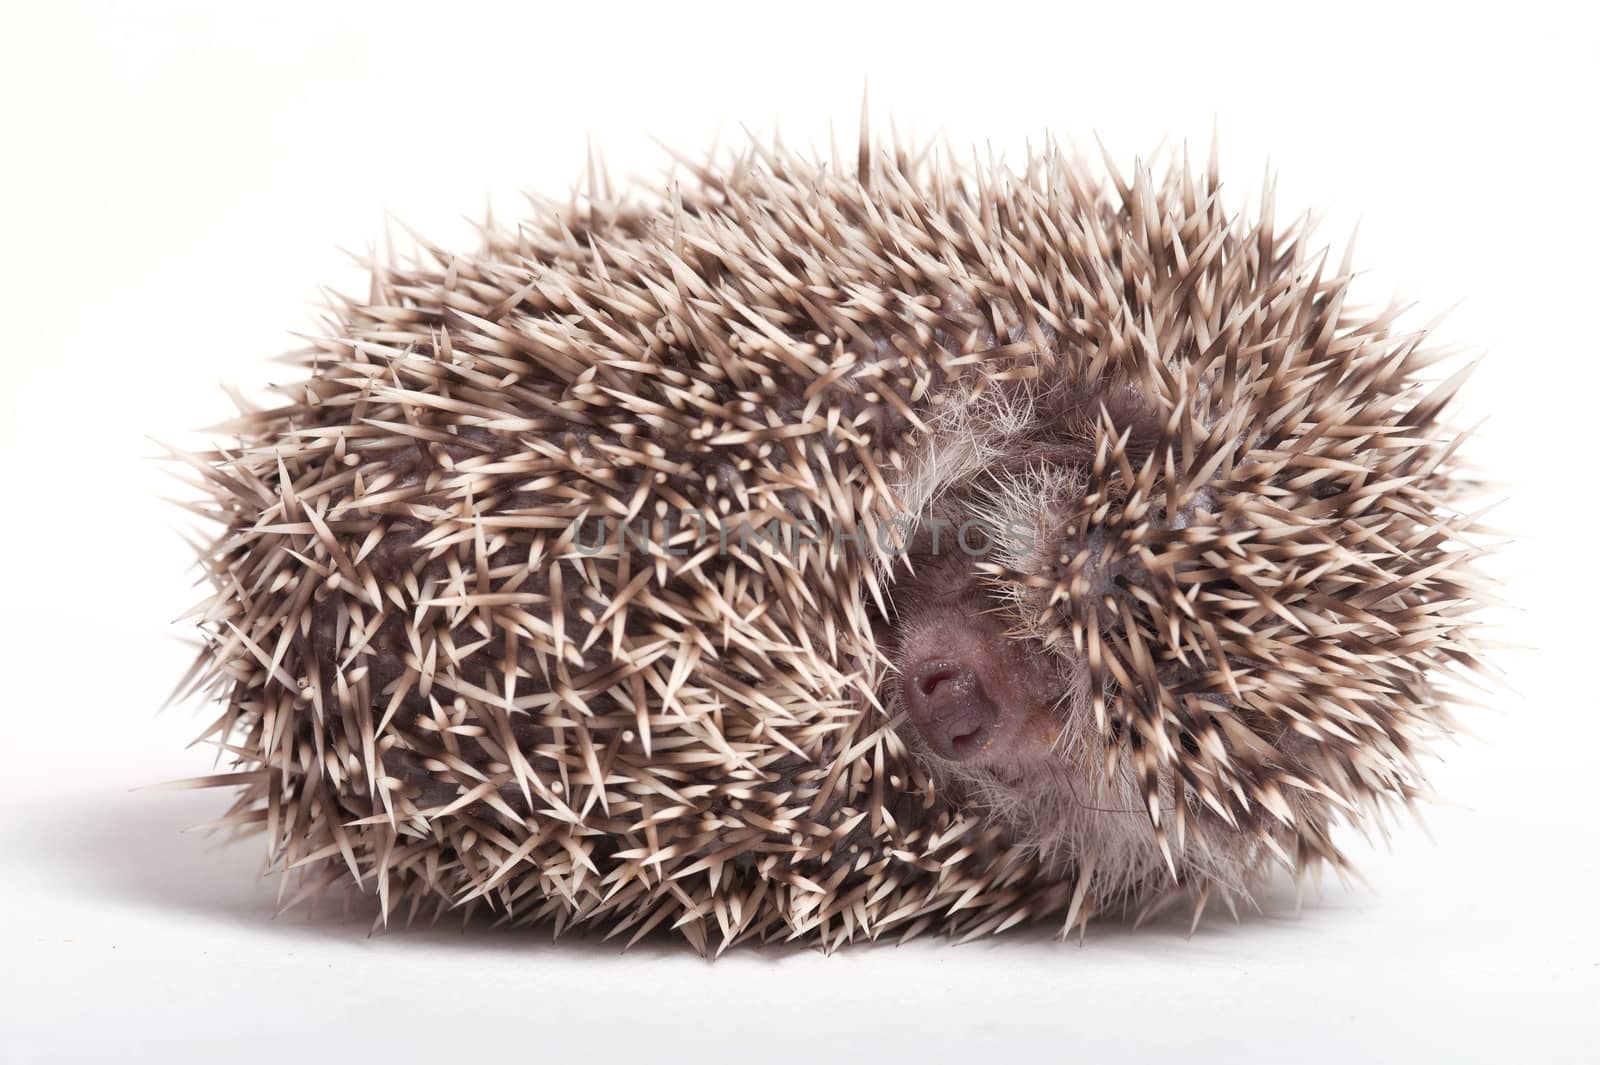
point(820, 550)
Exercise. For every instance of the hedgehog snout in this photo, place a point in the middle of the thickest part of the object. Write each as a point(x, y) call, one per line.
point(972, 692)
point(949, 706)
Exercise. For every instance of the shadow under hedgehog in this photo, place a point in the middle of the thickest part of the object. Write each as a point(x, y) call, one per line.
point(819, 552)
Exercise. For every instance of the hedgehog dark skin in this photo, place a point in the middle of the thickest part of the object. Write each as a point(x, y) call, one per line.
point(1215, 581)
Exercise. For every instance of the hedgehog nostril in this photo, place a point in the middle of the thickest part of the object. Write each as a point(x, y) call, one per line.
point(964, 739)
point(928, 680)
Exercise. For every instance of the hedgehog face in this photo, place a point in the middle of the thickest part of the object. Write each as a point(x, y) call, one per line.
point(992, 668)
point(987, 673)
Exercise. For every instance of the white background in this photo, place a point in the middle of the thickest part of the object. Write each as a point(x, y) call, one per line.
point(175, 185)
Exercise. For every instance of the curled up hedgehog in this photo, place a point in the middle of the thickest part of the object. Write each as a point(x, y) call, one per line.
point(817, 551)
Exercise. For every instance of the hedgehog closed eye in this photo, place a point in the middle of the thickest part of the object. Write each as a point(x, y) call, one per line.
point(799, 553)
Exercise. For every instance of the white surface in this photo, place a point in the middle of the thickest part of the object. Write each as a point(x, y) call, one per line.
point(174, 187)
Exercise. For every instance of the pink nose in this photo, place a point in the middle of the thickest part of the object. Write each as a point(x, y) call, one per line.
point(949, 707)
